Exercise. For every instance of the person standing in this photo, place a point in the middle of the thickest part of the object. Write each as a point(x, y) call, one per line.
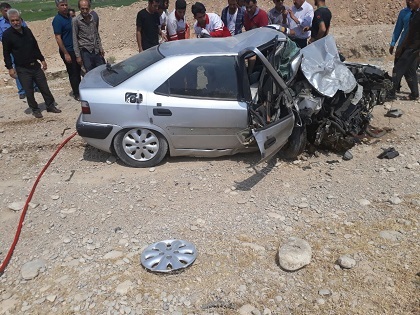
point(302, 14)
point(408, 56)
point(177, 26)
point(400, 32)
point(207, 24)
point(233, 17)
point(19, 41)
point(63, 32)
point(321, 21)
point(86, 40)
point(279, 14)
point(147, 26)
point(4, 25)
point(255, 17)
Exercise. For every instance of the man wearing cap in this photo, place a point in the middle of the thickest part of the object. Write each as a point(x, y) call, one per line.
point(177, 27)
point(19, 41)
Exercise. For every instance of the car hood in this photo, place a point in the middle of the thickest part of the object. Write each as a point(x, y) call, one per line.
point(323, 69)
point(93, 79)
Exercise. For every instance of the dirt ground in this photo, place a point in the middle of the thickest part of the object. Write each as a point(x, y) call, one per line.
point(91, 218)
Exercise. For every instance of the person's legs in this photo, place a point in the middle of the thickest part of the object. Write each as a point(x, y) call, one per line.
point(400, 69)
point(87, 59)
point(41, 81)
point(411, 77)
point(73, 71)
point(98, 60)
point(301, 43)
point(25, 76)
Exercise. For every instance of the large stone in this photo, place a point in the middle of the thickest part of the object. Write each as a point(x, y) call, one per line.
point(295, 254)
point(30, 270)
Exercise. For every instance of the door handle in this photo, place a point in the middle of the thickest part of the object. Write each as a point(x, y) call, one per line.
point(161, 112)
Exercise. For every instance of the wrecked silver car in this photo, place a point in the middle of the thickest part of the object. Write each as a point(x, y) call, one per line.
point(222, 96)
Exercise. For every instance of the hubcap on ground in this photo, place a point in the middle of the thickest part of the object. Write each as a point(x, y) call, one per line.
point(169, 255)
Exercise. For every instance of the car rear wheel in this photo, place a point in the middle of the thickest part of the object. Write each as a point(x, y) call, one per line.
point(140, 147)
point(296, 143)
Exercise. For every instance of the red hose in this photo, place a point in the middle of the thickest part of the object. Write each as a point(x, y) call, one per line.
point(25, 207)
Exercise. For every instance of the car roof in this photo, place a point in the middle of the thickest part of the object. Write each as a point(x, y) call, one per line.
point(233, 45)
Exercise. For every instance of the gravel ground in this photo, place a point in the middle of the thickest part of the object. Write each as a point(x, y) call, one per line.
point(90, 218)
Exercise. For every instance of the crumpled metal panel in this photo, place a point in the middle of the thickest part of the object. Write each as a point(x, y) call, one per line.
point(323, 69)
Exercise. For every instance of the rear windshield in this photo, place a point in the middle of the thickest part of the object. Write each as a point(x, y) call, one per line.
point(124, 70)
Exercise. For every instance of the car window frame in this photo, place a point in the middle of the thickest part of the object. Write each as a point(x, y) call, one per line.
point(168, 93)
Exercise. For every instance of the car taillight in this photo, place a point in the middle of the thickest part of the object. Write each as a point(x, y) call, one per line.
point(85, 107)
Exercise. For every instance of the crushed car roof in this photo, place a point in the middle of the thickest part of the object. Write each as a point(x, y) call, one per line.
point(233, 45)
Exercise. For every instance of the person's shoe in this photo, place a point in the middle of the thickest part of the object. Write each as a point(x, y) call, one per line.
point(53, 109)
point(37, 114)
point(77, 97)
point(22, 96)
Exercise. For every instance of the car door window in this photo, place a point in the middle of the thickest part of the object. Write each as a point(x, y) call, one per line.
point(204, 77)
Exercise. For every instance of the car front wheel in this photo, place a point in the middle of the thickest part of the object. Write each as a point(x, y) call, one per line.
point(140, 147)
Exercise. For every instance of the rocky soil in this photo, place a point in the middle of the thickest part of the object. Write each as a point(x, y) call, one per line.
point(356, 222)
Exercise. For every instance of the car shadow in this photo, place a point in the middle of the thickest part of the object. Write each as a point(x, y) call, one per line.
point(259, 174)
point(92, 154)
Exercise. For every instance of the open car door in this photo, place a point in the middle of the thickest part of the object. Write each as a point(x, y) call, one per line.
point(271, 119)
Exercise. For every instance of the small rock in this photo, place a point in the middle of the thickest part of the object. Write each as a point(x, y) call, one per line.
point(347, 156)
point(303, 205)
point(346, 262)
point(111, 159)
point(55, 197)
point(390, 235)
point(395, 200)
point(295, 254)
point(124, 287)
point(51, 298)
point(113, 254)
point(248, 309)
point(30, 270)
point(18, 205)
point(364, 202)
point(152, 169)
point(391, 169)
point(324, 292)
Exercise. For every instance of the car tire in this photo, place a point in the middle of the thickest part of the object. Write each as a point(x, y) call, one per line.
point(296, 143)
point(140, 147)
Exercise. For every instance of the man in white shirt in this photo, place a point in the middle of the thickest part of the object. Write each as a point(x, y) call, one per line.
point(301, 15)
point(207, 24)
point(177, 26)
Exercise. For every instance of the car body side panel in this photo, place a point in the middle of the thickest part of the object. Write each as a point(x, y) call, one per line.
point(198, 123)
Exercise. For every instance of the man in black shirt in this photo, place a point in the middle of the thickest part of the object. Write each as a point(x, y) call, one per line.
point(19, 41)
point(408, 56)
point(148, 30)
point(321, 21)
